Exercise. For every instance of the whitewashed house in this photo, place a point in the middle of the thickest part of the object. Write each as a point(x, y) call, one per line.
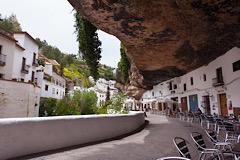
point(52, 85)
point(213, 88)
point(101, 89)
point(19, 93)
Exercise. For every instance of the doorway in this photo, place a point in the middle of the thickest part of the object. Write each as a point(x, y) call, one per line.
point(193, 101)
point(223, 104)
point(206, 103)
point(184, 105)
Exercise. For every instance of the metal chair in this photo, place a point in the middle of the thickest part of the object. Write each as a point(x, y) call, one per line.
point(173, 158)
point(204, 151)
point(229, 132)
point(181, 146)
point(223, 146)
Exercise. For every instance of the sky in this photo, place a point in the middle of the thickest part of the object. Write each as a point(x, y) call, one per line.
point(53, 21)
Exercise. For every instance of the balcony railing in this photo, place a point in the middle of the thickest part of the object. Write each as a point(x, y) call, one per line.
point(217, 82)
point(25, 69)
point(2, 60)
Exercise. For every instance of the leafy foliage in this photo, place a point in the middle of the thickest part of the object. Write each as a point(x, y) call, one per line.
point(124, 65)
point(10, 23)
point(84, 102)
point(47, 107)
point(106, 72)
point(89, 44)
point(108, 94)
point(87, 100)
point(115, 105)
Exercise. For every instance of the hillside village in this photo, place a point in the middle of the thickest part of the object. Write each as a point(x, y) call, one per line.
point(27, 76)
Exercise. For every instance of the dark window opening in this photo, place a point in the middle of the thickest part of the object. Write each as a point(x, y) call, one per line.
point(23, 63)
point(174, 86)
point(34, 58)
point(1, 76)
point(191, 79)
point(236, 66)
point(33, 76)
point(46, 87)
point(184, 86)
point(170, 86)
point(22, 80)
point(204, 77)
point(219, 75)
point(0, 49)
point(153, 94)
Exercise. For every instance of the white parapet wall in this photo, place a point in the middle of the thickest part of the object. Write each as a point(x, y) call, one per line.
point(24, 136)
point(18, 99)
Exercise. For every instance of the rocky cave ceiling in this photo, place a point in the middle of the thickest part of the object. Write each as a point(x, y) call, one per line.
point(165, 38)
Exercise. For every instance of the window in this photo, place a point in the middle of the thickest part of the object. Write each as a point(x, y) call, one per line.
point(33, 76)
point(57, 91)
point(170, 86)
point(1, 76)
point(34, 58)
point(0, 49)
point(191, 80)
point(23, 63)
point(204, 77)
point(22, 80)
point(219, 75)
point(236, 66)
point(153, 94)
point(46, 87)
point(184, 86)
point(174, 86)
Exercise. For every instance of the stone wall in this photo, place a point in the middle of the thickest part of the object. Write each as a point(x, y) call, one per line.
point(18, 99)
point(23, 136)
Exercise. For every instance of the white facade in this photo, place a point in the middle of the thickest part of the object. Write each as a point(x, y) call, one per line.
point(16, 48)
point(19, 93)
point(100, 89)
point(204, 85)
point(52, 85)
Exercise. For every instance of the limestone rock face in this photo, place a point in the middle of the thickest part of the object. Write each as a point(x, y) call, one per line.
point(166, 38)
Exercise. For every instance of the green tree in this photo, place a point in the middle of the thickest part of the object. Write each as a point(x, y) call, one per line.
point(124, 64)
point(87, 101)
point(67, 106)
point(106, 72)
point(10, 23)
point(89, 44)
point(108, 94)
point(115, 105)
point(47, 107)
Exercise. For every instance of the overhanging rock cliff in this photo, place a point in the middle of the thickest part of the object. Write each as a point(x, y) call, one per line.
point(166, 38)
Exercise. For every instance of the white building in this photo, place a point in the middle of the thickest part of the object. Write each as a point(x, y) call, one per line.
point(100, 89)
point(19, 93)
point(52, 85)
point(214, 88)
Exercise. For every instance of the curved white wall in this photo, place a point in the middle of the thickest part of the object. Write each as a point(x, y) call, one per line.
point(22, 136)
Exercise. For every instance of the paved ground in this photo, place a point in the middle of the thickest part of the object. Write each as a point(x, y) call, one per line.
point(153, 142)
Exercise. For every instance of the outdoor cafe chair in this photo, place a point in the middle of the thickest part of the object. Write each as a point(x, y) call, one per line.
point(223, 146)
point(173, 158)
point(230, 135)
point(182, 148)
point(204, 151)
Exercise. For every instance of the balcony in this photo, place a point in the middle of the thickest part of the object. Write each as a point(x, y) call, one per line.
point(2, 60)
point(35, 63)
point(217, 82)
point(25, 69)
